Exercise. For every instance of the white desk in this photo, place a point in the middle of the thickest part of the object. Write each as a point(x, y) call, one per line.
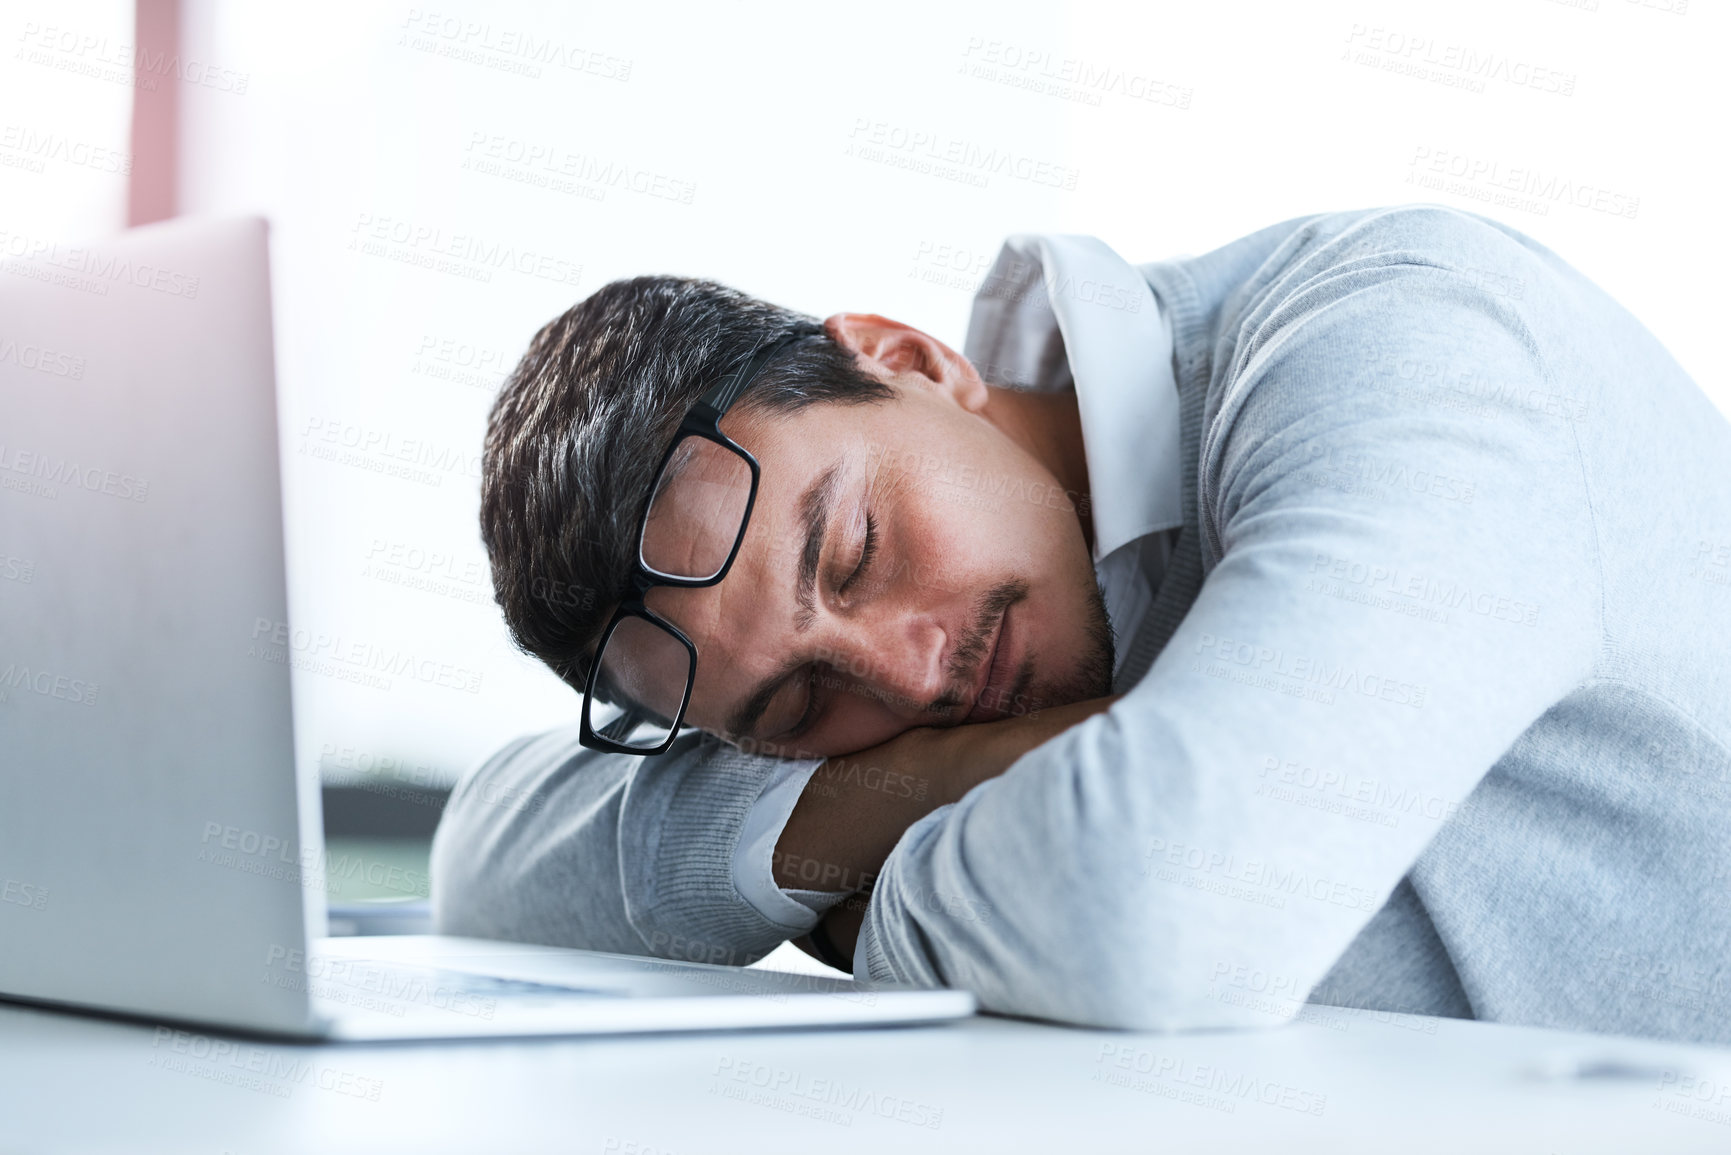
point(1383, 1083)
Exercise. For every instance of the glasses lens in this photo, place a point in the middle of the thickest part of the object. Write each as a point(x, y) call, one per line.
point(697, 510)
point(649, 667)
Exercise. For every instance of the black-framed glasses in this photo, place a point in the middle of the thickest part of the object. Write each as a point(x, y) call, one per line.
point(699, 506)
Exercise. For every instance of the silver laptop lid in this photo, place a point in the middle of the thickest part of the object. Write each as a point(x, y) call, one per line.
point(151, 850)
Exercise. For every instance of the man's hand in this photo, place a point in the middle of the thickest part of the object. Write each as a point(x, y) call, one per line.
point(857, 806)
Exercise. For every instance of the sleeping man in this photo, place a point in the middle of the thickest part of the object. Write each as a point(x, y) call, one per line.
point(1342, 616)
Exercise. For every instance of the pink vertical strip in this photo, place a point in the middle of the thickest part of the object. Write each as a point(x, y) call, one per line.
point(153, 191)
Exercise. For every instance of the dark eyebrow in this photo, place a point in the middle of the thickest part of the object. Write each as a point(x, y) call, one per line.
point(743, 721)
point(814, 509)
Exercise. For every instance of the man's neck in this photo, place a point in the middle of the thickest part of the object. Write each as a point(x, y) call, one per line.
point(1048, 424)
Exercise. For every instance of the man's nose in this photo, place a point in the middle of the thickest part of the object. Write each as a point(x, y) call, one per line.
point(899, 663)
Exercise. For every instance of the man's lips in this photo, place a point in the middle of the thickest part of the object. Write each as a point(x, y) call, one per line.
point(996, 672)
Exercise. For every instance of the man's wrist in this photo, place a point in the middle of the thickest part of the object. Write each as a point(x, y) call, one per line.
point(842, 924)
point(850, 815)
point(826, 950)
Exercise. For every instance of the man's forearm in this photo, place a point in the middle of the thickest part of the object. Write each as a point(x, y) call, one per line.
point(849, 815)
point(856, 807)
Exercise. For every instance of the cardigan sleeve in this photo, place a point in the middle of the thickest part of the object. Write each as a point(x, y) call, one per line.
point(552, 843)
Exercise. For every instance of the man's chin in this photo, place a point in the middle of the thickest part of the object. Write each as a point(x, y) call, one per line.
point(1031, 694)
point(1090, 677)
point(1079, 688)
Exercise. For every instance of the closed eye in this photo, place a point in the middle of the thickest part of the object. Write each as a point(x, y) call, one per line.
point(868, 550)
point(793, 709)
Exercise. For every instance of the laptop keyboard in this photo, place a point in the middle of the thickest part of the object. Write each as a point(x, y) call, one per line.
point(346, 980)
point(492, 985)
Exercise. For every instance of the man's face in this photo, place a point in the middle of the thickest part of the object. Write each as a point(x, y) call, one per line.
point(907, 563)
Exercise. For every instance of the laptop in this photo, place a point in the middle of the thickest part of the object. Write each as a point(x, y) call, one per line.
point(158, 856)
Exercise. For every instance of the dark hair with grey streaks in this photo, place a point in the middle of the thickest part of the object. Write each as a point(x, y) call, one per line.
point(578, 428)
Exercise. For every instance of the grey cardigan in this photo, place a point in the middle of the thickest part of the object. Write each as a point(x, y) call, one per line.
point(1436, 715)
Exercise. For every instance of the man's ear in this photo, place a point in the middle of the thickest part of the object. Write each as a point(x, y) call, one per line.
point(909, 356)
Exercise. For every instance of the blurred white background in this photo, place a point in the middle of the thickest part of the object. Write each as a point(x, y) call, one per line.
point(443, 180)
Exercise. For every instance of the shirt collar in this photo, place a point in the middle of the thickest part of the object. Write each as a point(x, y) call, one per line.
point(1057, 310)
